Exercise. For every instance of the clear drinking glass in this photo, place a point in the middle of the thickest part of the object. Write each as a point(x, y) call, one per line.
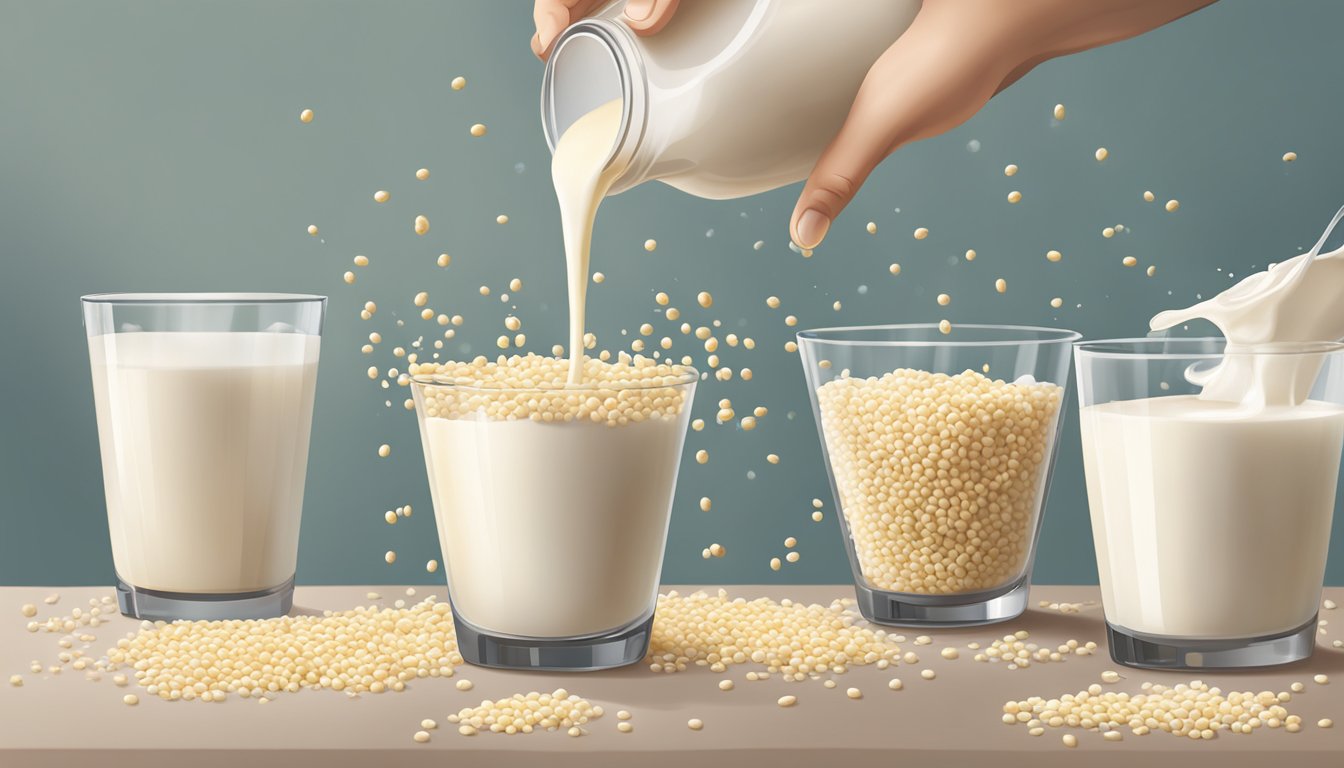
point(939, 448)
point(204, 404)
point(552, 529)
point(1211, 518)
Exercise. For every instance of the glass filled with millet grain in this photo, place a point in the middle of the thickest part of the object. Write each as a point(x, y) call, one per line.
point(939, 443)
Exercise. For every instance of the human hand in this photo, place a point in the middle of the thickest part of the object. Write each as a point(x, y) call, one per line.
point(551, 17)
point(955, 56)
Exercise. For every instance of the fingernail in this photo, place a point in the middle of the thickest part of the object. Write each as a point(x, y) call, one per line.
point(812, 227)
point(638, 10)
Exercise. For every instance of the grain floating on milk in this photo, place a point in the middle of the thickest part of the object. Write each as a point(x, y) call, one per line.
point(939, 476)
point(531, 386)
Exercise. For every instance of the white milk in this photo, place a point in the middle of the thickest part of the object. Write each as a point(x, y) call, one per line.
point(552, 530)
point(204, 441)
point(1301, 299)
point(1209, 522)
point(582, 177)
point(1210, 513)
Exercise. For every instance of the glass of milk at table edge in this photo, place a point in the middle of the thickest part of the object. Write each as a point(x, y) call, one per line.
point(204, 404)
point(1211, 517)
point(731, 98)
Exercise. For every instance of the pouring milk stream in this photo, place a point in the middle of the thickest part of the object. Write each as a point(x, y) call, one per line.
point(721, 104)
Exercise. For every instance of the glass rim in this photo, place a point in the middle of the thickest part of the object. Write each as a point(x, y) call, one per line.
point(1132, 348)
point(1046, 335)
point(208, 297)
point(684, 375)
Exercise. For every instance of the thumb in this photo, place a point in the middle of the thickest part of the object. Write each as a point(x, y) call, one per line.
point(550, 18)
point(647, 17)
point(841, 170)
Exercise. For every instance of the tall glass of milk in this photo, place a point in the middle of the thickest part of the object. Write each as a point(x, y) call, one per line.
point(553, 502)
point(1211, 517)
point(939, 444)
point(204, 404)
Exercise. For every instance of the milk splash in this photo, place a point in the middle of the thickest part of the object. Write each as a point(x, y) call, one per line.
point(1299, 300)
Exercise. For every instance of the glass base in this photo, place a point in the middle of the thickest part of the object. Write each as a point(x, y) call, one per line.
point(966, 610)
point(1136, 649)
point(156, 605)
point(617, 648)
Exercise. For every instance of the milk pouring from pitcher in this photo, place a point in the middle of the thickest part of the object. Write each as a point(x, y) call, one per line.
point(732, 98)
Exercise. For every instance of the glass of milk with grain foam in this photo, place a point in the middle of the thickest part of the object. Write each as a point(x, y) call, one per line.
point(204, 404)
point(1210, 515)
point(553, 516)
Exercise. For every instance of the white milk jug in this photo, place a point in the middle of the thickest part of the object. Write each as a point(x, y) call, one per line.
point(731, 98)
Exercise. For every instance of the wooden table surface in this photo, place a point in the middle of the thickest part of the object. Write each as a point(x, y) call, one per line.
point(953, 720)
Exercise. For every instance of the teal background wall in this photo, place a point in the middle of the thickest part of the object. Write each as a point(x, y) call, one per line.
point(156, 146)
